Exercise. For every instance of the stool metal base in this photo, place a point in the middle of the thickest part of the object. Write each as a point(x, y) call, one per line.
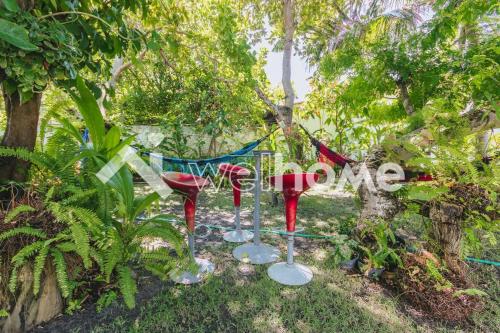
point(290, 274)
point(204, 267)
point(238, 236)
point(256, 254)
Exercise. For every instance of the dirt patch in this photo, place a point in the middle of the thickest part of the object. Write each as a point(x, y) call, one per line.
point(440, 300)
point(88, 318)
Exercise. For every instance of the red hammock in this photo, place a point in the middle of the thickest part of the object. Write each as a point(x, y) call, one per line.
point(328, 156)
point(325, 154)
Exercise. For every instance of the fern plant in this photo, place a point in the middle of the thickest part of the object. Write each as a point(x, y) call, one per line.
point(94, 221)
point(384, 255)
point(76, 226)
point(123, 245)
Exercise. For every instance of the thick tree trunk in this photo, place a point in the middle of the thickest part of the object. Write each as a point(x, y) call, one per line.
point(21, 132)
point(379, 204)
point(447, 229)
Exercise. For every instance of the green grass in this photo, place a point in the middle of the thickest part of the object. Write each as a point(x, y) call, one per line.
point(231, 302)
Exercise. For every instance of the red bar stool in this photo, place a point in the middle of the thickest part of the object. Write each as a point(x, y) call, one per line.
point(292, 186)
point(234, 173)
point(189, 186)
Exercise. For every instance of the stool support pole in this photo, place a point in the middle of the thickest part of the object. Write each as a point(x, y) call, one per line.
point(237, 218)
point(256, 211)
point(289, 258)
point(191, 243)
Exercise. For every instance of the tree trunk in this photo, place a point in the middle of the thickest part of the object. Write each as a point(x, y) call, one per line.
point(405, 96)
point(447, 229)
point(21, 132)
point(286, 80)
point(292, 135)
point(380, 204)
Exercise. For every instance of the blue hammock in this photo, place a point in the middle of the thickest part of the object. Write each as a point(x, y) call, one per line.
point(203, 167)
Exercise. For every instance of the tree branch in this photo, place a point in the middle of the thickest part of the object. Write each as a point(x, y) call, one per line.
point(117, 73)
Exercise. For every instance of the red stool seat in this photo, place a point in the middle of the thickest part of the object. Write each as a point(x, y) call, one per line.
point(292, 186)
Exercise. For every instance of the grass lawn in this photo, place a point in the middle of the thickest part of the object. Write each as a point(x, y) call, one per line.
point(230, 301)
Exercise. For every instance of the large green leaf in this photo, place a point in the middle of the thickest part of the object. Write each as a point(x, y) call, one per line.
point(112, 138)
point(142, 203)
point(87, 105)
point(16, 35)
point(11, 5)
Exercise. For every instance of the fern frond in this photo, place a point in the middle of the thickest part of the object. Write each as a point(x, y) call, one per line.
point(158, 270)
point(26, 252)
point(40, 160)
point(88, 218)
point(166, 232)
point(18, 210)
point(38, 268)
point(13, 280)
point(113, 256)
point(160, 255)
point(28, 231)
point(66, 247)
point(49, 195)
point(94, 254)
point(79, 196)
point(82, 242)
point(127, 285)
point(61, 272)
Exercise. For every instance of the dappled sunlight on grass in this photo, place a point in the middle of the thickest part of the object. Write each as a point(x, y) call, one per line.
point(235, 299)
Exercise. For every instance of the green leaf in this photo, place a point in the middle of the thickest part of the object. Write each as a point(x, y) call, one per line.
point(11, 5)
point(16, 35)
point(25, 95)
point(112, 138)
point(87, 105)
point(469, 292)
point(81, 239)
point(142, 203)
point(119, 147)
point(425, 193)
point(127, 285)
point(16, 211)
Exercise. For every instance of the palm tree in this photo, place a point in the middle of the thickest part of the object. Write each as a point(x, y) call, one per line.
point(356, 19)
